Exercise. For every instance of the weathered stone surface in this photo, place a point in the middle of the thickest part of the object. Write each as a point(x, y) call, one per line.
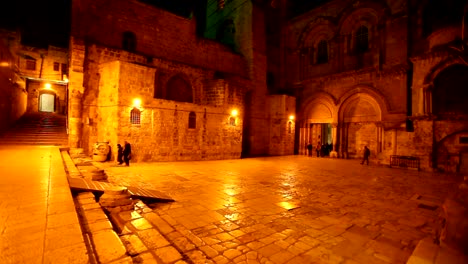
point(108, 246)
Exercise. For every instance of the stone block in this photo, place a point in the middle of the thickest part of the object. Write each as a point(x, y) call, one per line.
point(108, 246)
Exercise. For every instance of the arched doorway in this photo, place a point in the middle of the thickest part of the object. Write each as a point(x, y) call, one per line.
point(360, 115)
point(316, 125)
point(47, 102)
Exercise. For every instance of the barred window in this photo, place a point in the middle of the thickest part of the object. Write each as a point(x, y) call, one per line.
point(135, 116)
point(192, 120)
point(56, 66)
point(31, 65)
point(290, 127)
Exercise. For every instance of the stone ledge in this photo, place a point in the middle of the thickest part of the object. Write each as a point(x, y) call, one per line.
point(426, 252)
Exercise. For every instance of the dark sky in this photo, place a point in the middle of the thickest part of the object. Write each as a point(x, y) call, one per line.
point(41, 21)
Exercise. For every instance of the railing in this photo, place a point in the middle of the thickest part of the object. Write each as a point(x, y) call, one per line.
point(404, 162)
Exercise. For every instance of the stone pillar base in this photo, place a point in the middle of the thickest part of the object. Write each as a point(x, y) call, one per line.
point(333, 154)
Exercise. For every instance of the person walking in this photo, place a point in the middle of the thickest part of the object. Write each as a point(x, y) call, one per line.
point(366, 155)
point(309, 149)
point(120, 154)
point(127, 153)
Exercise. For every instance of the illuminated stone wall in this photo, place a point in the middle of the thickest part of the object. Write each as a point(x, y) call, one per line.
point(282, 128)
point(167, 45)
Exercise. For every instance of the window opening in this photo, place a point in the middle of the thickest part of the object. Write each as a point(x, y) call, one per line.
point(322, 52)
point(192, 121)
point(232, 121)
point(135, 116)
point(129, 41)
point(362, 39)
point(56, 66)
point(31, 65)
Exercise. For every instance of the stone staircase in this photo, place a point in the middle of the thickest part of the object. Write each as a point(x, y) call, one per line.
point(37, 129)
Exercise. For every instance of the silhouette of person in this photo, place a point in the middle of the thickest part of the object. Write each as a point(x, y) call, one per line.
point(127, 153)
point(366, 155)
point(309, 149)
point(119, 154)
point(318, 148)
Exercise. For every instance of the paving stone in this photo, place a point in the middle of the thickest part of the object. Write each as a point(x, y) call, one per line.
point(141, 224)
point(133, 244)
point(168, 254)
point(152, 239)
point(108, 246)
point(159, 222)
point(209, 251)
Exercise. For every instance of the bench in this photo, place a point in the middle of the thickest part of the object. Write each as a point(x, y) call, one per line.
point(408, 162)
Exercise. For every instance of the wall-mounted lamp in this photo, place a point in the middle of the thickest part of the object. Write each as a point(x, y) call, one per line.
point(48, 86)
point(291, 117)
point(234, 112)
point(4, 64)
point(137, 103)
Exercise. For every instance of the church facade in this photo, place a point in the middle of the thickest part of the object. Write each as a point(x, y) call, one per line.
point(231, 79)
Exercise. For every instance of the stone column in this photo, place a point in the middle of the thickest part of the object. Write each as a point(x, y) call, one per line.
point(379, 137)
point(74, 120)
point(333, 153)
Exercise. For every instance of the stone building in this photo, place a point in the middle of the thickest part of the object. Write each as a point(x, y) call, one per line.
point(13, 95)
point(166, 75)
point(42, 72)
point(387, 74)
point(169, 78)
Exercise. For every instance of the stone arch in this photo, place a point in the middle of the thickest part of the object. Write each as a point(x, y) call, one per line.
point(360, 115)
point(320, 28)
point(367, 92)
point(445, 88)
point(317, 121)
point(451, 155)
point(179, 89)
point(320, 108)
point(368, 14)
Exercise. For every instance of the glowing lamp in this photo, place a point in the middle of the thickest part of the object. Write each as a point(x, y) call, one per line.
point(234, 112)
point(137, 102)
point(291, 117)
point(4, 64)
point(48, 86)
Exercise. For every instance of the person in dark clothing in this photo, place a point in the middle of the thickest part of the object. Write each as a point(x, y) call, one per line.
point(119, 154)
point(366, 155)
point(309, 149)
point(127, 153)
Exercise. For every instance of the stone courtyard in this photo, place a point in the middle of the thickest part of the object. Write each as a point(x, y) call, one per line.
point(291, 209)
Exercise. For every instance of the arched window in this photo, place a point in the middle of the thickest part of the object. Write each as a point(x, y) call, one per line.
point(322, 52)
point(135, 115)
point(177, 89)
point(129, 41)
point(192, 120)
point(362, 39)
point(450, 94)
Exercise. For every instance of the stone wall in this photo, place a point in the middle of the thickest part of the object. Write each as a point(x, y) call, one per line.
point(163, 134)
point(282, 110)
point(13, 95)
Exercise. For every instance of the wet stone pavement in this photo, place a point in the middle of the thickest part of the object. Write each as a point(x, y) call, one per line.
point(290, 209)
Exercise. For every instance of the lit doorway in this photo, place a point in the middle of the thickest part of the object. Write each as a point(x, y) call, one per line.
point(47, 102)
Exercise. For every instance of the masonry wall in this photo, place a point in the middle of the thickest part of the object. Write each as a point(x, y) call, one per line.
point(103, 22)
point(163, 134)
point(282, 127)
point(13, 95)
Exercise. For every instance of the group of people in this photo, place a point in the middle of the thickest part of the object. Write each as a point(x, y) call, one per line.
point(124, 154)
point(324, 150)
point(320, 150)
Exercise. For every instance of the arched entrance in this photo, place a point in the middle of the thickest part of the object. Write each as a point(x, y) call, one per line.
point(47, 102)
point(317, 126)
point(360, 116)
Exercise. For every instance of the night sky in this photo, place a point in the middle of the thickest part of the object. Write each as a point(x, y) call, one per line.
point(41, 21)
